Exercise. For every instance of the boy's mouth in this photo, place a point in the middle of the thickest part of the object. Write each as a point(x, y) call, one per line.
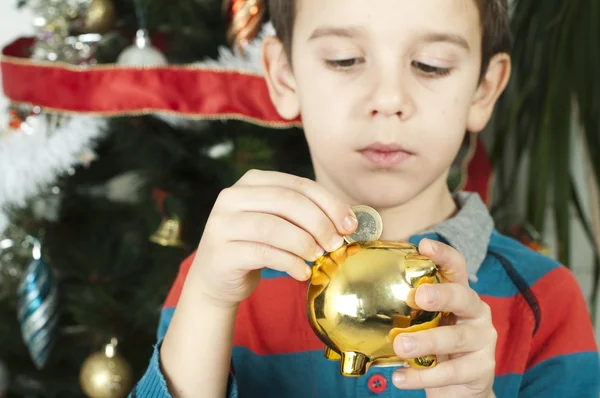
point(385, 156)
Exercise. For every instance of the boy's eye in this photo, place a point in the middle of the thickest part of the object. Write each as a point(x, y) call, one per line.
point(343, 64)
point(430, 70)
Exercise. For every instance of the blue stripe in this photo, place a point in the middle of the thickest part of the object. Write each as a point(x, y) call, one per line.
point(163, 324)
point(492, 278)
point(304, 374)
point(530, 264)
point(267, 273)
point(552, 378)
point(309, 374)
point(508, 385)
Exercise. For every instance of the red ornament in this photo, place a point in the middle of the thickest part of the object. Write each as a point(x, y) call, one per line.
point(159, 196)
point(530, 238)
point(244, 19)
point(14, 121)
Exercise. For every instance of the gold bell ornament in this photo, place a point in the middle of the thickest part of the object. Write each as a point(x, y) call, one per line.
point(361, 297)
point(168, 233)
point(106, 374)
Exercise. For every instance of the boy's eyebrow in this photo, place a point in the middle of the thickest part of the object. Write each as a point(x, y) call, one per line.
point(350, 32)
point(433, 37)
point(324, 31)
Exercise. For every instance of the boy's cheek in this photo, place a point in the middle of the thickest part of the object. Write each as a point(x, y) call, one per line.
point(326, 115)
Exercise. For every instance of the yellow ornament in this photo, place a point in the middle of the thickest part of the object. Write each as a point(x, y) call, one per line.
point(361, 297)
point(168, 233)
point(106, 374)
point(98, 17)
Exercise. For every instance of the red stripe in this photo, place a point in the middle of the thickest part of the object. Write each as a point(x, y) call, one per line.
point(514, 324)
point(479, 172)
point(566, 326)
point(274, 321)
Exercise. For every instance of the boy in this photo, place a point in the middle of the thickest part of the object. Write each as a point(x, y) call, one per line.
point(386, 90)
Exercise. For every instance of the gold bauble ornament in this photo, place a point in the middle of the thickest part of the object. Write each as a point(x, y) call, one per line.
point(97, 17)
point(106, 374)
point(361, 297)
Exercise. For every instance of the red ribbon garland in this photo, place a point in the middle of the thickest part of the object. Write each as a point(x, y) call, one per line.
point(111, 90)
point(188, 91)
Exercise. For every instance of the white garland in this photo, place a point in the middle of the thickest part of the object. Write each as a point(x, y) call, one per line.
point(34, 157)
point(30, 161)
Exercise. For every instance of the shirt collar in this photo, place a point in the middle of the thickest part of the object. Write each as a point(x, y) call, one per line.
point(469, 231)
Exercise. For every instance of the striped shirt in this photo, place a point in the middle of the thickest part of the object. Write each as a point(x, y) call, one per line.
point(545, 348)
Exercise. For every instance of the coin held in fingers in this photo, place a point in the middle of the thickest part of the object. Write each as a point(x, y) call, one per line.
point(370, 225)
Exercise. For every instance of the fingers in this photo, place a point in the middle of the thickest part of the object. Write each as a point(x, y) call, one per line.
point(467, 369)
point(458, 299)
point(450, 262)
point(287, 204)
point(338, 211)
point(457, 339)
point(256, 256)
point(270, 230)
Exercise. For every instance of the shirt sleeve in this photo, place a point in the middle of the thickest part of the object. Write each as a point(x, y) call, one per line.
point(564, 360)
point(153, 383)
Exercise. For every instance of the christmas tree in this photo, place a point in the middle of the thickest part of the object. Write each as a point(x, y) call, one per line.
point(109, 169)
point(91, 192)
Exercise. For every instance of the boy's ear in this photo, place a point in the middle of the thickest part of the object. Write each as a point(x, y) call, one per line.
point(490, 88)
point(280, 78)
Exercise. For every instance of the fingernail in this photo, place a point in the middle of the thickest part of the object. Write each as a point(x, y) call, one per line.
point(431, 294)
point(319, 251)
point(350, 223)
point(308, 272)
point(336, 242)
point(408, 343)
point(398, 378)
point(433, 245)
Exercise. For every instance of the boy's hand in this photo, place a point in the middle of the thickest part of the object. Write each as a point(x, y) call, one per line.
point(466, 349)
point(266, 220)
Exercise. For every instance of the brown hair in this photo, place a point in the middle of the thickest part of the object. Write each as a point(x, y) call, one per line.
point(493, 14)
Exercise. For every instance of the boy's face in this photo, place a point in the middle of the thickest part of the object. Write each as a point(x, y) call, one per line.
point(386, 90)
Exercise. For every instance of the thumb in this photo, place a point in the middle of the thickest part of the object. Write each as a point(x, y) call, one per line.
point(450, 263)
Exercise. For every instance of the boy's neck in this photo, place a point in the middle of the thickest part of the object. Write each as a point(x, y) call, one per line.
point(431, 207)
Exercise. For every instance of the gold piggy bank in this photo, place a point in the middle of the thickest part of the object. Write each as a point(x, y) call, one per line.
point(361, 297)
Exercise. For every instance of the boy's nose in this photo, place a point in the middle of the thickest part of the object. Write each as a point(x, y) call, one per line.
point(390, 97)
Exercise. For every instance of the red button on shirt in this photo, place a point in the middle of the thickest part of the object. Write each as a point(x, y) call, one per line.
point(377, 384)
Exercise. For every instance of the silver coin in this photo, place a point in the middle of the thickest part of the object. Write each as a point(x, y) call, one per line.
point(370, 225)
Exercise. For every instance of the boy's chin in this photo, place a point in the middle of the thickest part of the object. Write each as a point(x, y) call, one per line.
point(385, 196)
